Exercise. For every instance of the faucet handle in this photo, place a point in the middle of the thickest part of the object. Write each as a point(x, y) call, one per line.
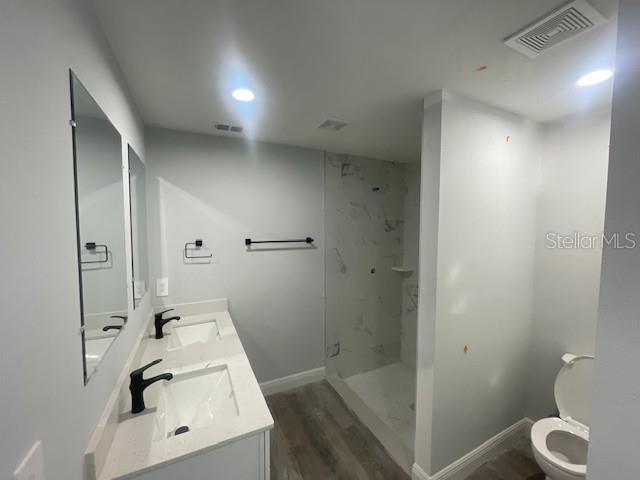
point(159, 314)
point(138, 372)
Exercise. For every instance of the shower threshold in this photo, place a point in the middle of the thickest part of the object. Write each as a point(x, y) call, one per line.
point(384, 400)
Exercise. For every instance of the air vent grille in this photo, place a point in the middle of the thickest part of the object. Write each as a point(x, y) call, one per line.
point(332, 125)
point(223, 127)
point(567, 22)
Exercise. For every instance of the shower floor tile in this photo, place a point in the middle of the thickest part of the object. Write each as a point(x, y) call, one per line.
point(389, 392)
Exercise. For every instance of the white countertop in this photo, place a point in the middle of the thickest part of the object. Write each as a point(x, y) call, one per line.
point(132, 450)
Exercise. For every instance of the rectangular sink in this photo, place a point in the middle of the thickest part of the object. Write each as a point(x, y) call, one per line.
point(95, 348)
point(184, 335)
point(196, 399)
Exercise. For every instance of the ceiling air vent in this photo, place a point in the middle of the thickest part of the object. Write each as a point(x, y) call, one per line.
point(332, 125)
point(567, 22)
point(223, 127)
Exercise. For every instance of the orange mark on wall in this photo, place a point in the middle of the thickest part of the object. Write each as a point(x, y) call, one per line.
point(481, 68)
point(466, 349)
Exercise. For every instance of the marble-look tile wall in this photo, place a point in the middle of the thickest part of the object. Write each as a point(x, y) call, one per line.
point(364, 208)
point(411, 242)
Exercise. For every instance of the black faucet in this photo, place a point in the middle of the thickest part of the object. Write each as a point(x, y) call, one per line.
point(160, 322)
point(106, 328)
point(138, 385)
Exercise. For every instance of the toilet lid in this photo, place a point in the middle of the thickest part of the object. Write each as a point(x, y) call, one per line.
point(573, 390)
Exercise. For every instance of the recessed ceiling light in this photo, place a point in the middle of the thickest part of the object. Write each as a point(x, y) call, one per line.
point(243, 95)
point(592, 78)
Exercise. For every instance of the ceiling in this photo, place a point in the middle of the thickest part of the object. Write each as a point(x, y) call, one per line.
point(367, 62)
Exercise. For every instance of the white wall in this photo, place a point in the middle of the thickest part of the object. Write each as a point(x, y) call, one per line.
point(503, 184)
point(42, 392)
point(485, 229)
point(613, 450)
point(223, 190)
point(486, 237)
point(571, 198)
point(428, 276)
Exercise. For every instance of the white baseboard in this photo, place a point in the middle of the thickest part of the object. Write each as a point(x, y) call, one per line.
point(418, 473)
point(292, 381)
point(466, 464)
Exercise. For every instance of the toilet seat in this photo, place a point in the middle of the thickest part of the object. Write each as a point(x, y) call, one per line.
point(560, 443)
point(541, 430)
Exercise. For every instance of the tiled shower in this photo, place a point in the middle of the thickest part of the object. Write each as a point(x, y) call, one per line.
point(371, 240)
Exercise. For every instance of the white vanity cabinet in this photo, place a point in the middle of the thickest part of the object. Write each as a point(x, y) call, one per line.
point(246, 459)
point(208, 421)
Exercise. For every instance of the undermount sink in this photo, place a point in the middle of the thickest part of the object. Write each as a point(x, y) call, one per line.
point(183, 335)
point(195, 400)
point(95, 348)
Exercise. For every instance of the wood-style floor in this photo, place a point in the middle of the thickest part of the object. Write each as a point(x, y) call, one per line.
point(317, 437)
point(514, 464)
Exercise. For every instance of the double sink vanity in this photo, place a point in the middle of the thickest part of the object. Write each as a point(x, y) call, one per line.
point(204, 415)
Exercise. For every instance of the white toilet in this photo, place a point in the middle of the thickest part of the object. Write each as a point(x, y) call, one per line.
point(560, 444)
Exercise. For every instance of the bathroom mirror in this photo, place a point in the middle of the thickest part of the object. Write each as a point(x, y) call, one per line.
point(138, 198)
point(99, 188)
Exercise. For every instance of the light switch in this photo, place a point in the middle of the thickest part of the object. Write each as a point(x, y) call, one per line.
point(32, 467)
point(162, 287)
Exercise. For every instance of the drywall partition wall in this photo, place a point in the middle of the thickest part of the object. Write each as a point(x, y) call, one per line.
point(427, 274)
point(615, 417)
point(571, 198)
point(42, 394)
point(488, 175)
point(364, 203)
point(222, 191)
point(410, 259)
